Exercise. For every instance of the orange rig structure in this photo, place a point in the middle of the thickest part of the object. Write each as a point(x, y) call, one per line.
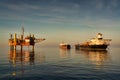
point(21, 41)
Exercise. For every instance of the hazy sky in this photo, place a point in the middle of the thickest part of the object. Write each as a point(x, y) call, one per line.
point(71, 21)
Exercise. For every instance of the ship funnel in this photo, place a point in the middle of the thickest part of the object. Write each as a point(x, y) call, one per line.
point(99, 36)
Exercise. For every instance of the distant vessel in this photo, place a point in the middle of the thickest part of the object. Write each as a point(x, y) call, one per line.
point(95, 43)
point(65, 46)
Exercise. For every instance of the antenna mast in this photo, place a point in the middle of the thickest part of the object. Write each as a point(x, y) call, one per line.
point(22, 30)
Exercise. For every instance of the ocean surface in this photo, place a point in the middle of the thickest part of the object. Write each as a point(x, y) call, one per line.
point(52, 63)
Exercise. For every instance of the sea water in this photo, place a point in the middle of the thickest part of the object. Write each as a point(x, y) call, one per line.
point(52, 63)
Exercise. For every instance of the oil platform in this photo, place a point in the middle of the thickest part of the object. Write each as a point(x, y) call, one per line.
point(22, 40)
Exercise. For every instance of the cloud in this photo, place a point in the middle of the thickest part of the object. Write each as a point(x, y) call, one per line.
point(39, 13)
point(56, 11)
point(101, 23)
point(20, 7)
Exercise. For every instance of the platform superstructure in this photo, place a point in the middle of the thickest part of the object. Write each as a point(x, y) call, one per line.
point(23, 40)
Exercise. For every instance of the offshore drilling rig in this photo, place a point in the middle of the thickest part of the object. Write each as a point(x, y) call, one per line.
point(22, 40)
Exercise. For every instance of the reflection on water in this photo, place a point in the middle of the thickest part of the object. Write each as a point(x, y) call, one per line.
point(64, 53)
point(54, 63)
point(19, 59)
point(21, 56)
point(97, 57)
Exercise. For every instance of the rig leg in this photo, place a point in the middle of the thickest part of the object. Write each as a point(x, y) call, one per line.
point(21, 47)
point(11, 47)
point(33, 48)
point(14, 47)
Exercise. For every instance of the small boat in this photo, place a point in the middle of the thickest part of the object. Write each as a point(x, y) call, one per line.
point(65, 46)
point(95, 43)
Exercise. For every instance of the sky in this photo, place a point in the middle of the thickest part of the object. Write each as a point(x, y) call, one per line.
point(70, 21)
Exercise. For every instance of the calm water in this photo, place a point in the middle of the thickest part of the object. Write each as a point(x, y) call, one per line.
point(55, 64)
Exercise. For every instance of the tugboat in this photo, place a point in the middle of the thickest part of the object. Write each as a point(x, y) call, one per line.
point(65, 46)
point(97, 43)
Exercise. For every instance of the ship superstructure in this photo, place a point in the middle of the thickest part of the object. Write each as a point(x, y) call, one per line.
point(95, 43)
point(64, 45)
